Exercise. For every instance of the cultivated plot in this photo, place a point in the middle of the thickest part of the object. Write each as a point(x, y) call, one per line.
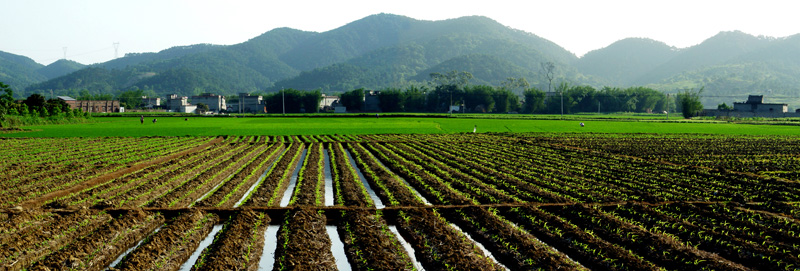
point(401, 202)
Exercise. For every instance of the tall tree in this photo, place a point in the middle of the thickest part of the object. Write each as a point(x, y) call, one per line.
point(513, 84)
point(311, 100)
point(131, 98)
point(690, 102)
point(451, 84)
point(391, 100)
point(549, 69)
point(6, 100)
point(353, 100)
point(202, 108)
point(534, 101)
point(35, 102)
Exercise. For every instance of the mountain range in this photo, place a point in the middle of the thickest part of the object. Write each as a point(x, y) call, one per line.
point(391, 51)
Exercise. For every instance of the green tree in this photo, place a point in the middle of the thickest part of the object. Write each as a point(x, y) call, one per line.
point(35, 102)
point(391, 100)
point(131, 98)
point(449, 89)
point(311, 100)
point(353, 100)
point(534, 101)
point(724, 107)
point(6, 101)
point(202, 108)
point(690, 102)
point(415, 99)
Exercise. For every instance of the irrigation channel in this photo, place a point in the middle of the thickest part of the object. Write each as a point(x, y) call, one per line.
point(400, 202)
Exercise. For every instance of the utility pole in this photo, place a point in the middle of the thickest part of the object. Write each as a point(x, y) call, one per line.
point(283, 100)
point(65, 52)
point(116, 50)
point(667, 106)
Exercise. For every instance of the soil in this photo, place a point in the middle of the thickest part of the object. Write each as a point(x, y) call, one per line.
point(350, 186)
point(566, 238)
point(397, 190)
point(106, 177)
point(439, 246)
point(275, 183)
point(303, 242)
point(239, 245)
point(182, 194)
point(368, 244)
point(156, 186)
point(307, 189)
point(172, 245)
point(239, 180)
point(98, 249)
point(525, 254)
point(28, 246)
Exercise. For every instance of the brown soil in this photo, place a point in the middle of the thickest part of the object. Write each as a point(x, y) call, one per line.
point(239, 245)
point(649, 245)
point(158, 185)
point(368, 245)
point(23, 249)
point(303, 242)
point(307, 189)
point(106, 177)
point(276, 182)
point(397, 190)
point(524, 254)
point(173, 245)
point(565, 237)
point(195, 188)
point(97, 250)
point(437, 245)
point(350, 186)
point(238, 180)
point(418, 177)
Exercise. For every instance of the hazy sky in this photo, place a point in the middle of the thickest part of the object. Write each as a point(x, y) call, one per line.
point(40, 29)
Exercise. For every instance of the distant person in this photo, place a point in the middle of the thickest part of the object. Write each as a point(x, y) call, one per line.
point(141, 119)
point(186, 119)
point(376, 116)
point(581, 124)
point(475, 129)
point(154, 120)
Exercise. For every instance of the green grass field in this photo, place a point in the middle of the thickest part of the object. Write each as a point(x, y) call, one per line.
point(211, 126)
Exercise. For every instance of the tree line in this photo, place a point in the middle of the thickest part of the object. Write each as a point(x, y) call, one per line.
point(452, 89)
point(33, 109)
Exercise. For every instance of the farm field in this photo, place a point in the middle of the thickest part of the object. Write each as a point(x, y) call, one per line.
point(283, 126)
point(401, 202)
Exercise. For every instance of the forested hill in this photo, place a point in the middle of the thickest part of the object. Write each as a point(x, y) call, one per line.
point(729, 66)
point(385, 50)
point(19, 71)
point(377, 51)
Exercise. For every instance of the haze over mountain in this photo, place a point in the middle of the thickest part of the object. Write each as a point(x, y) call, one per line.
point(386, 50)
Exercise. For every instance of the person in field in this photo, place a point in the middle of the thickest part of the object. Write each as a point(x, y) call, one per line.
point(141, 119)
point(154, 120)
point(581, 124)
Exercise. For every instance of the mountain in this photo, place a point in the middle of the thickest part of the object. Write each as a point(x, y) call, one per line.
point(59, 68)
point(374, 52)
point(18, 71)
point(386, 50)
point(716, 50)
point(624, 61)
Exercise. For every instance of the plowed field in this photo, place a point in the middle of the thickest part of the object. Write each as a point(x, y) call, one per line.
point(399, 202)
